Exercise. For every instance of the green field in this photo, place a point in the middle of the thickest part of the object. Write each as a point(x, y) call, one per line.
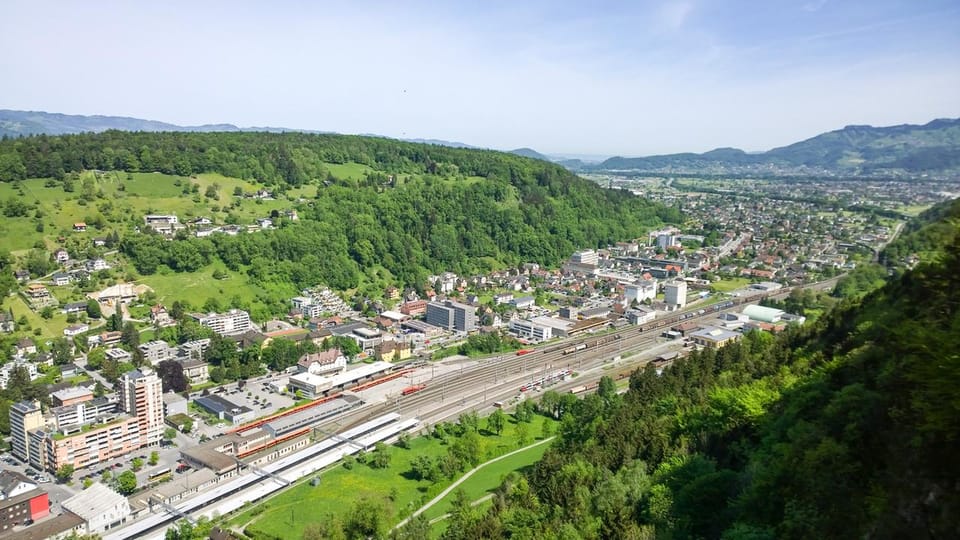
point(730, 284)
point(122, 199)
point(287, 514)
point(348, 171)
point(488, 478)
point(197, 287)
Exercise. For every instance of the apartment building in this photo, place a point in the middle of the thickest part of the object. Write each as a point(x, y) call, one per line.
point(235, 321)
point(452, 316)
point(141, 396)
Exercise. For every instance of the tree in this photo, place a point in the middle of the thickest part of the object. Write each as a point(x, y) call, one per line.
point(96, 358)
point(523, 434)
point(607, 389)
point(381, 457)
point(422, 467)
point(64, 473)
point(496, 421)
point(110, 370)
point(115, 321)
point(127, 482)
point(367, 519)
point(154, 458)
point(330, 527)
point(172, 377)
point(93, 309)
point(130, 337)
point(136, 464)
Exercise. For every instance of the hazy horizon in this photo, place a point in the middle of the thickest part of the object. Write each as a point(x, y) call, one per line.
point(607, 79)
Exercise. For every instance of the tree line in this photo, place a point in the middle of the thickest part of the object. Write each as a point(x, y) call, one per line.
point(838, 430)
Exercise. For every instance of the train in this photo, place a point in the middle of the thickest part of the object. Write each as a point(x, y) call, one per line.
point(593, 342)
point(546, 380)
point(412, 389)
point(522, 352)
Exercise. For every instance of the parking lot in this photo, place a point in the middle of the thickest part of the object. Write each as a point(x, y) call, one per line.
point(254, 395)
point(57, 492)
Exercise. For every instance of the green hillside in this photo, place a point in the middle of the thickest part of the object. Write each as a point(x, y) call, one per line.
point(371, 212)
point(846, 429)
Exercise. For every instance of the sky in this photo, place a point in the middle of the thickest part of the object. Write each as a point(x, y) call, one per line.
point(597, 78)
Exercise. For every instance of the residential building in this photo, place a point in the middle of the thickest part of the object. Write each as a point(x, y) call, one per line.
point(79, 227)
point(25, 416)
point(524, 302)
point(71, 396)
point(7, 322)
point(235, 321)
point(72, 416)
point(6, 370)
point(452, 316)
point(60, 279)
point(26, 346)
point(118, 355)
point(414, 307)
point(95, 265)
point(37, 291)
point(586, 256)
point(194, 348)
point(21, 499)
point(141, 395)
point(159, 316)
point(61, 256)
point(195, 370)
point(161, 223)
point(157, 351)
point(74, 307)
point(76, 329)
point(675, 294)
point(101, 508)
point(323, 363)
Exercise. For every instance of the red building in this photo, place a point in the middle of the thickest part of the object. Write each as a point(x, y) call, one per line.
point(21, 501)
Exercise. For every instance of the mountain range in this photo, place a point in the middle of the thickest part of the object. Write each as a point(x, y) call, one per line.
point(932, 148)
point(858, 150)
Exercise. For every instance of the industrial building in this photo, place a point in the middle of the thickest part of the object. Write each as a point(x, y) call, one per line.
point(225, 409)
point(101, 508)
point(713, 337)
point(675, 294)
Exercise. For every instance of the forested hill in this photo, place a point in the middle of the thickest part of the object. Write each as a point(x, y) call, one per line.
point(847, 429)
point(418, 209)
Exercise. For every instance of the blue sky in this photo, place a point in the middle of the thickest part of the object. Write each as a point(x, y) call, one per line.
point(627, 78)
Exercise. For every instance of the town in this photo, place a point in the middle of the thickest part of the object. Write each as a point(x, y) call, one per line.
point(159, 402)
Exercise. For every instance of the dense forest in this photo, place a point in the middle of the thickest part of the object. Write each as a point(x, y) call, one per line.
point(423, 209)
point(844, 429)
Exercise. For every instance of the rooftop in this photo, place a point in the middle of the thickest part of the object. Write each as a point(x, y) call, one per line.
point(94, 501)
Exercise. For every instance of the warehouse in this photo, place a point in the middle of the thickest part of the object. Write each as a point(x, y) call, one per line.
point(308, 417)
